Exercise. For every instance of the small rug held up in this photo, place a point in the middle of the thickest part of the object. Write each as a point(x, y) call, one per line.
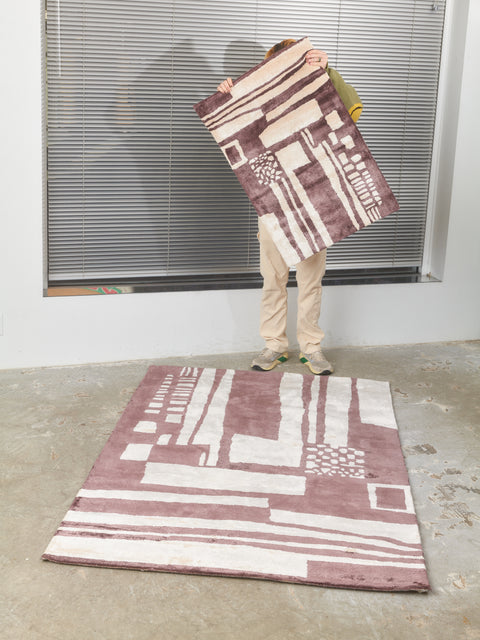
point(281, 476)
point(298, 154)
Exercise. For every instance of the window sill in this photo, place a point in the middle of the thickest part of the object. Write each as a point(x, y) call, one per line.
point(333, 277)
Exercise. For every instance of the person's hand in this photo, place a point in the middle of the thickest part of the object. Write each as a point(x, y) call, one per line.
point(316, 58)
point(225, 86)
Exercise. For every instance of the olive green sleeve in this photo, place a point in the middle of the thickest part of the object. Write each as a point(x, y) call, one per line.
point(347, 93)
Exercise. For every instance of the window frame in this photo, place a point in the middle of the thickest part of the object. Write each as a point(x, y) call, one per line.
point(333, 276)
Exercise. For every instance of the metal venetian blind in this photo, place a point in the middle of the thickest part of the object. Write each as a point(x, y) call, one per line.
point(136, 185)
point(390, 51)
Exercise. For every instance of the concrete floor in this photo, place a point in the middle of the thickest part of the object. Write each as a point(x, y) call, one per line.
point(55, 422)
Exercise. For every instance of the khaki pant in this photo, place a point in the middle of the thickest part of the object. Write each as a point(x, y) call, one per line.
point(273, 315)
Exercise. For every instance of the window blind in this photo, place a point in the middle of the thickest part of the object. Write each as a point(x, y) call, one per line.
point(137, 187)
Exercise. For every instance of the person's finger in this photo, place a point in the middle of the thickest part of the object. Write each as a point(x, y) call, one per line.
point(317, 62)
point(317, 58)
point(225, 86)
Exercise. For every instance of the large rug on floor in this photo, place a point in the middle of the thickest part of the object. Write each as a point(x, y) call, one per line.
point(298, 154)
point(273, 475)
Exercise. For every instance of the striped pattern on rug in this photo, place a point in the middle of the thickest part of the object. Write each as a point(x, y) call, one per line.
point(237, 473)
point(298, 154)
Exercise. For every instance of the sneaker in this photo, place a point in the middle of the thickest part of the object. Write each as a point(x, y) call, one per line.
point(317, 363)
point(268, 359)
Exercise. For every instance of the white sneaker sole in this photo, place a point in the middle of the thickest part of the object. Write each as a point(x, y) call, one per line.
point(324, 372)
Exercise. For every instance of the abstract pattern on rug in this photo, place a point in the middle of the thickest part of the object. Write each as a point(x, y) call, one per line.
point(298, 154)
point(287, 477)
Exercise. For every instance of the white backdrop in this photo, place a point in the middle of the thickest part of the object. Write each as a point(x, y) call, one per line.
point(38, 331)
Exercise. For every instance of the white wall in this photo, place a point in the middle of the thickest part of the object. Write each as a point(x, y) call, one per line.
point(40, 331)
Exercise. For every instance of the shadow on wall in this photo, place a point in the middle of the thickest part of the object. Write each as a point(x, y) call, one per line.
point(158, 140)
point(240, 56)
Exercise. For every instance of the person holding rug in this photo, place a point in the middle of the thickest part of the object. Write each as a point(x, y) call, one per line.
point(309, 272)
